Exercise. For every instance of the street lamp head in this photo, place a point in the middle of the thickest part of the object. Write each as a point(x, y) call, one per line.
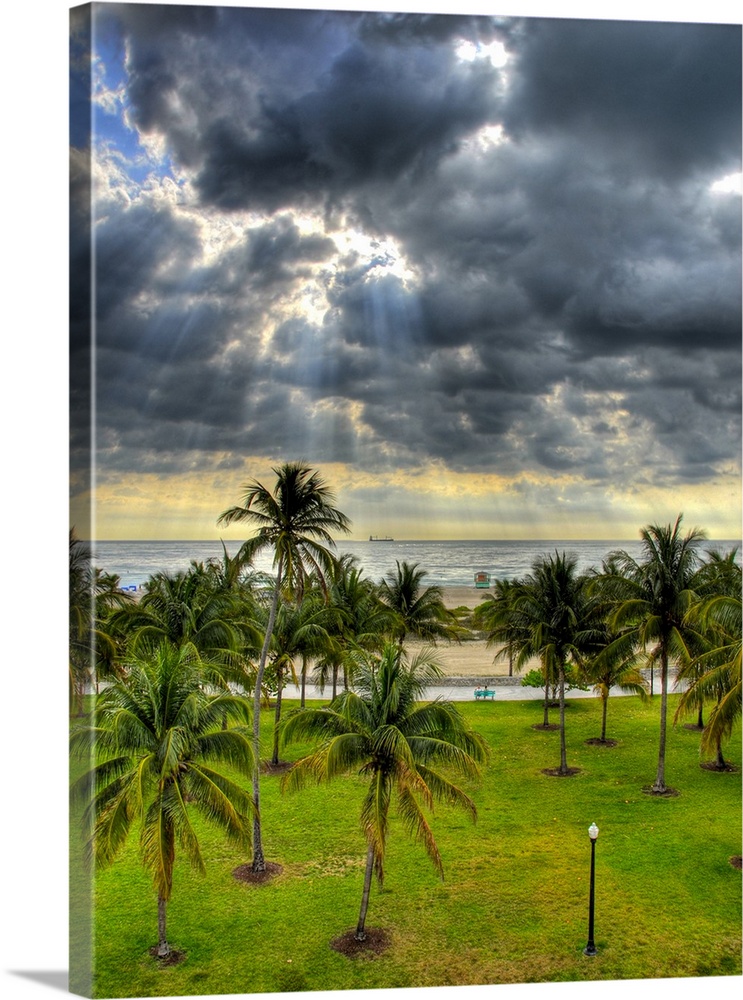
point(593, 831)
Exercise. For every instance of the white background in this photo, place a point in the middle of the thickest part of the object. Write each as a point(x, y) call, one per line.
point(33, 765)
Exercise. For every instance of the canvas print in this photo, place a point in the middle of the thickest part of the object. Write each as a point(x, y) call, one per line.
point(405, 500)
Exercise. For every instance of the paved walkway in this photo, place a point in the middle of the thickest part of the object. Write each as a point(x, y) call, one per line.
point(463, 689)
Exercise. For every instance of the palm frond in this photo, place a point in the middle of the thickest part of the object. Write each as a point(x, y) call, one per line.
point(417, 826)
point(305, 724)
point(723, 717)
point(388, 742)
point(375, 819)
point(228, 746)
point(113, 819)
point(222, 802)
point(425, 749)
point(444, 790)
point(157, 846)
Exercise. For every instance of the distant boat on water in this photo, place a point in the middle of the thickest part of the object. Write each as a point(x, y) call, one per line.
point(380, 538)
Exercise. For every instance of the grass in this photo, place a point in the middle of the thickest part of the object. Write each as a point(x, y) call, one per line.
point(513, 905)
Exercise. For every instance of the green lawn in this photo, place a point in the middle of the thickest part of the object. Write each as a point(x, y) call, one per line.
point(513, 906)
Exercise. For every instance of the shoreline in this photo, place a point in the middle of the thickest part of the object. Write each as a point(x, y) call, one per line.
point(471, 661)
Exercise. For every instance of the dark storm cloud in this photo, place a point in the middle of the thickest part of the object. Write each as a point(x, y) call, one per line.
point(275, 108)
point(568, 284)
point(666, 94)
point(372, 118)
point(139, 250)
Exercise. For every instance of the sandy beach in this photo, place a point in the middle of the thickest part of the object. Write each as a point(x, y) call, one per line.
point(466, 659)
point(467, 597)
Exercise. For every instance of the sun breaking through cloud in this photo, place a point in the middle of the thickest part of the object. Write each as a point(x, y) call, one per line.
point(484, 271)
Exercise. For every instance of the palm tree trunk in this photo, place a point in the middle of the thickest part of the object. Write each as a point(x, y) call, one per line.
point(563, 749)
point(163, 948)
point(700, 717)
point(335, 680)
point(605, 700)
point(78, 699)
point(277, 715)
point(546, 720)
point(659, 786)
point(304, 683)
point(360, 934)
point(259, 862)
point(721, 763)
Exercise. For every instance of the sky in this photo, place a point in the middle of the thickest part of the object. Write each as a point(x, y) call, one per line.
point(33, 403)
point(483, 272)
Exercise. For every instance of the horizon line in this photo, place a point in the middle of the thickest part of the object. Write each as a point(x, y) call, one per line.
point(408, 540)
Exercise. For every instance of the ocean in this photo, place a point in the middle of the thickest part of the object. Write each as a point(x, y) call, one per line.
point(447, 563)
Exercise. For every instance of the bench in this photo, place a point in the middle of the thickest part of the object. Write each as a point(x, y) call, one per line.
point(486, 693)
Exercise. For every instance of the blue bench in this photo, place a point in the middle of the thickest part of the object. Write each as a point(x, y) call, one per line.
point(486, 693)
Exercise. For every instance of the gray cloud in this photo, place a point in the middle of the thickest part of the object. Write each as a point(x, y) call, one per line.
point(568, 285)
point(666, 95)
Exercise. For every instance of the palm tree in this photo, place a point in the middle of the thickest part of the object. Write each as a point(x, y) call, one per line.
point(557, 622)
point(718, 576)
point(360, 622)
point(82, 616)
point(93, 596)
point(155, 740)
point(509, 625)
point(295, 521)
point(363, 619)
point(718, 671)
point(614, 666)
point(186, 607)
point(655, 595)
point(300, 632)
point(496, 616)
point(233, 573)
point(382, 734)
point(420, 610)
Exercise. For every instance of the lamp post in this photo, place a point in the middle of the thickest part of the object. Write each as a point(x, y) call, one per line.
point(590, 948)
